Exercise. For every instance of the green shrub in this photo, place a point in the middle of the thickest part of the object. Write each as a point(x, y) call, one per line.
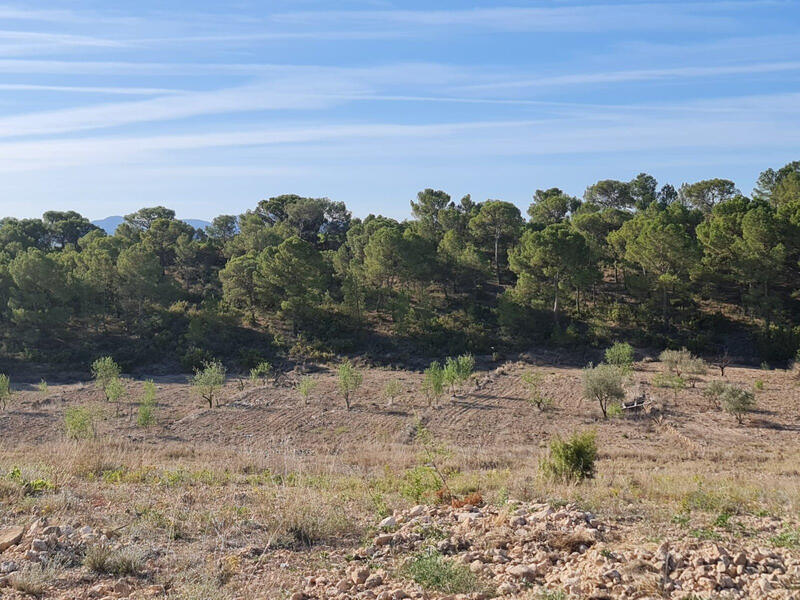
point(669, 381)
point(758, 385)
point(104, 371)
point(676, 361)
point(391, 391)
point(571, 460)
point(42, 387)
point(620, 355)
point(306, 387)
point(5, 390)
point(533, 382)
point(350, 380)
point(714, 391)
point(457, 371)
point(604, 385)
point(261, 371)
point(195, 358)
point(435, 572)
point(434, 382)
point(208, 381)
point(737, 402)
point(146, 416)
point(79, 423)
point(114, 391)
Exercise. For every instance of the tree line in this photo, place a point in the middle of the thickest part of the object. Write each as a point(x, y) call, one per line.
point(702, 266)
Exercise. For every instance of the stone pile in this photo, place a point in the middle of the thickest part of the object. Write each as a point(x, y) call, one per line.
point(533, 548)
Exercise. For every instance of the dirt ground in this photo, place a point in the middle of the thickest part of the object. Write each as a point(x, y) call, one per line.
point(241, 480)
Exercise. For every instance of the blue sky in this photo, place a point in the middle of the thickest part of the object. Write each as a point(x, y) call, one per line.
point(208, 107)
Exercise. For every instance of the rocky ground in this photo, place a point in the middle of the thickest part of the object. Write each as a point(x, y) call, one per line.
point(520, 550)
point(529, 550)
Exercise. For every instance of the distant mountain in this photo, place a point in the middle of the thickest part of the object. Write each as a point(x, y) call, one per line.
point(110, 224)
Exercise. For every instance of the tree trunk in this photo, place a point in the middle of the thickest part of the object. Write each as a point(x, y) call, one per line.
point(555, 298)
point(497, 257)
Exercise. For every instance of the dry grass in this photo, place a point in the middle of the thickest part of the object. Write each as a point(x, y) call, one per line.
point(253, 486)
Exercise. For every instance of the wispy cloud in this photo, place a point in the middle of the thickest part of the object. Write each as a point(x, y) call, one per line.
point(564, 18)
point(641, 75)
point(123, 91)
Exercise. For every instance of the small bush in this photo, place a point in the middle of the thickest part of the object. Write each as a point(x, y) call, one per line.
point(42, 387)
point(5, 390)
point(571, 460)
point(669, 381)
point(35, 578)
point(433, 384)
point(737, 402)
point(104, 371)
point(676, 361)
point(350, 380)
point(207, 382)
point(620, 355)
point(195, 358)
point(604, 384)
point(103, 559)
point(115, 390)
point(533, 382)
point(306, 387)
point(758, 385)
point(434, 572)
point(457, 371)
point(391, 391)
point(147, 406)
point(261, 371)
point(79, 423)
point(714, 391)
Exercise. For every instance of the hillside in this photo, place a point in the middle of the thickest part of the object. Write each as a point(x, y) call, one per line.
point(283, 499)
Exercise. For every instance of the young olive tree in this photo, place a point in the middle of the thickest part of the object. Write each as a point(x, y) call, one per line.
point(146, 416)
point(737, 401)
point(676, 361)
point(208, 381)
point(392, 390)
point(306, 387)
point(350, 379)
point(105, 372)
point(433, 384)
point(533, 381)
point(457, 371)
point(604, 384)
point(5, 390)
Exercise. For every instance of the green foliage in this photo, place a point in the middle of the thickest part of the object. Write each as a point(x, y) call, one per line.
point(306, 387)
point(632, 258)
point(571, 460)
point(604, 385)
point(758, 385)
point(106, 373)
point(434, 572)
point(676, 361)
point(533, 381)
point(79, 423)
point(737, 402)
point(115, 390)
point(620, 355)
point(391, 391)
point(5, 390)
point(434, 382)
point(208, 381)
point(41, 386)
point(457, 371)
point(261, 371)
point(146, 416)
point(349, 380)
point(669, 381)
